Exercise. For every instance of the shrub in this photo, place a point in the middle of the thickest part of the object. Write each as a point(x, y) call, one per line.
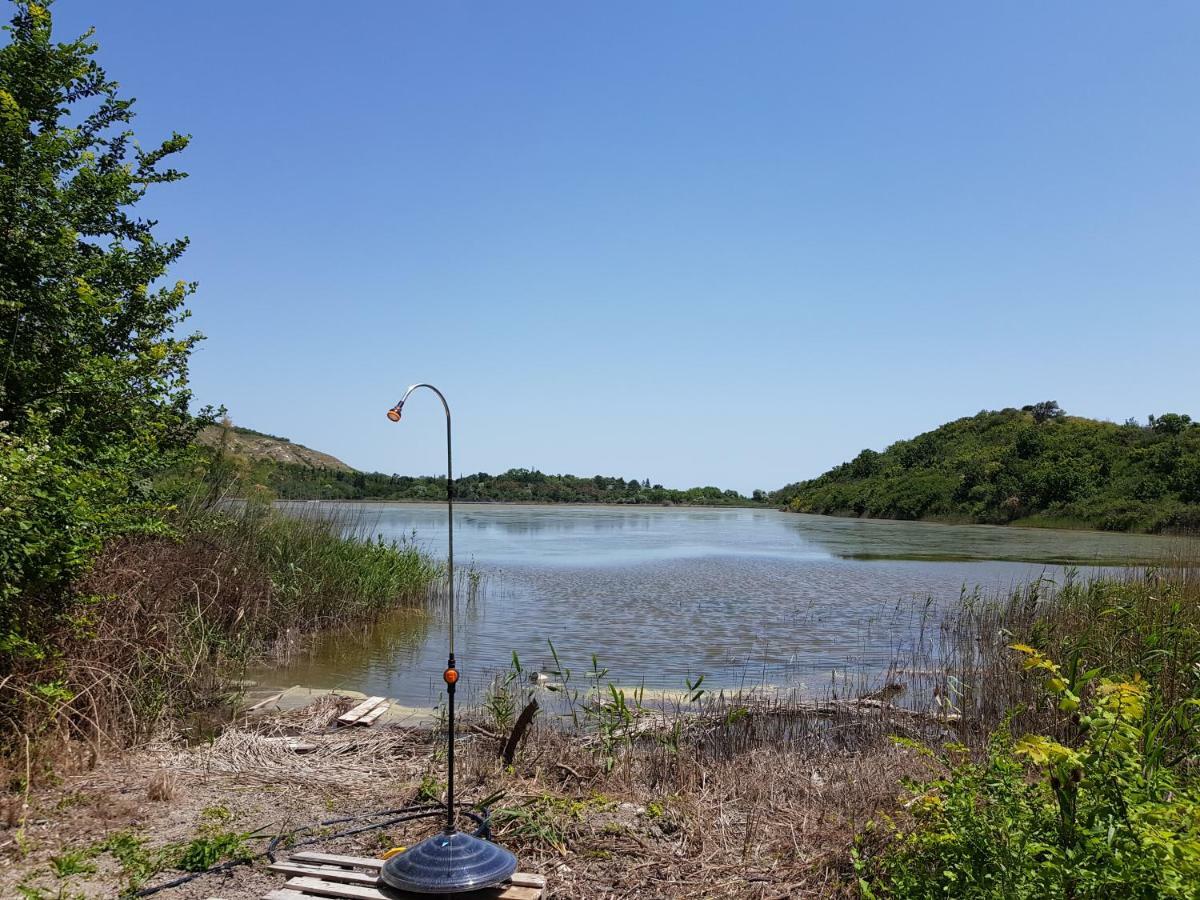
point(1107, 816)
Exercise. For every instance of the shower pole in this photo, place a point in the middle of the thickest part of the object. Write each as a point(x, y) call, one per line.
point(450, 676)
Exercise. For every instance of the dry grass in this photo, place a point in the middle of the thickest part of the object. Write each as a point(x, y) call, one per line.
point(314, 759)
point(771, 819)
point(764, 821)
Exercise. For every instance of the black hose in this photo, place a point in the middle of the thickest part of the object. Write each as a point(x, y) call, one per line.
point(408, 813)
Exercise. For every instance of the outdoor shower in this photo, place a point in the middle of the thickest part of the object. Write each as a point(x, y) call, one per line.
point(452, 861)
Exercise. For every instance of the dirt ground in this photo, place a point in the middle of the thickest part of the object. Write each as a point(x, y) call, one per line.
point(683, 822)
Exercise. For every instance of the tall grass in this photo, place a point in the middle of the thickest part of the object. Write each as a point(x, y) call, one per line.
point(1143, 621)
point(323, 571)
point(168, 623)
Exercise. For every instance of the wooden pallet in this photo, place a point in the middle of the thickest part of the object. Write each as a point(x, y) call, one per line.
point(331, 876)
point(365, 713)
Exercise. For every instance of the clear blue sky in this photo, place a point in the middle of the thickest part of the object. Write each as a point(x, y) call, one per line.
point(695, 242)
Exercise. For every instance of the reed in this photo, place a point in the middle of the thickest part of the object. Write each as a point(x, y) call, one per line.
point(324, 571)
point(1144, 621)
point(168, 623)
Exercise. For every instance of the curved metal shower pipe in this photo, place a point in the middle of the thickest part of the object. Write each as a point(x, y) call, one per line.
point(450, 676)
point(394, 414)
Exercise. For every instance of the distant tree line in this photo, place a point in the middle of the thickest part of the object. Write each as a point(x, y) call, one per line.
point(290, 481)
point(1035, 465)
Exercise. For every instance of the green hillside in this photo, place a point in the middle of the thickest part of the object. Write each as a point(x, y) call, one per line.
point(1034, 465)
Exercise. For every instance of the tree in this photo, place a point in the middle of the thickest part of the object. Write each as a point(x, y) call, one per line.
point(93, 371)
point(1045, 411)
point(1170, 423)
point(89, 343)
point(866, 464)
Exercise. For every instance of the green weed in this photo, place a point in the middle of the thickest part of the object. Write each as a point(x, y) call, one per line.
point(430, 789)
point(73, 862)
point(204, 852)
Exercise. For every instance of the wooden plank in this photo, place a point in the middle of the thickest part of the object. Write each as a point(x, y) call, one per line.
point(333, 859)
point(345, 876)
point(318, 887)
point(511, 892)
point(508, 892)
point(369, 718)
point(285, 894)
point(349, 718)
point(261, 703)
point(528, 879)
point(520, 879)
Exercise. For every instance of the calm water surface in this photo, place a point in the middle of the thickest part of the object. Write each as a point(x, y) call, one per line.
point(742, 596)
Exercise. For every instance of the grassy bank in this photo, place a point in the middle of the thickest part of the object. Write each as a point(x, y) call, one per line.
point(163, 624)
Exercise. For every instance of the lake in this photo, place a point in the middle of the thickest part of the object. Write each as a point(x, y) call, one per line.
point(659, 595)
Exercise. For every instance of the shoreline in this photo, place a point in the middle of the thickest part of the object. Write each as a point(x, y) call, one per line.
point(577, 503)
point(1020, 524)
point(1026, 524)
point(757, 797)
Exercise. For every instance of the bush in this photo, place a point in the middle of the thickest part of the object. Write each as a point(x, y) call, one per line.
point(160, 624)
point(261, 574)
point(56, 514)
point(1107, 817)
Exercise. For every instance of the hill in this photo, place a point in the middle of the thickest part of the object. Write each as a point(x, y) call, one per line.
point(1034, 466)
point(255, 446)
